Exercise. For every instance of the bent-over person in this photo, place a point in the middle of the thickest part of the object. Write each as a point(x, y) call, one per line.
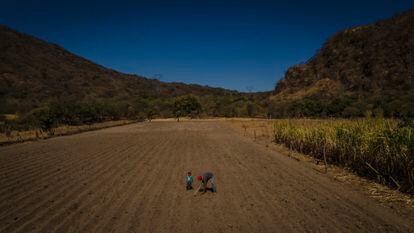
point(205, 178)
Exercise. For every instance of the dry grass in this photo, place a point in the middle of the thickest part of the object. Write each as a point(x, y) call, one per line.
point(375, 148)
point(263, 131)
point(31, 135)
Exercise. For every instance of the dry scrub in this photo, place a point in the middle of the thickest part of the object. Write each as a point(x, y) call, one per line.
point(16, 136)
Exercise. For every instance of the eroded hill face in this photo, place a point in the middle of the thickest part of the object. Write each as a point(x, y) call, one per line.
point(367, 68)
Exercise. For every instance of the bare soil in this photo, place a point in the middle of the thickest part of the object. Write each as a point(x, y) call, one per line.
point(33, 135)
point(132, 179)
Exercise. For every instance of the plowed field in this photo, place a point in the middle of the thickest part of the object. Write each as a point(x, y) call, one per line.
point(131, 179)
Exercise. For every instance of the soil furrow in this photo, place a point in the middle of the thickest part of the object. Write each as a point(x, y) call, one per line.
point(35, 195)
point(40, 210)
point(132, 179)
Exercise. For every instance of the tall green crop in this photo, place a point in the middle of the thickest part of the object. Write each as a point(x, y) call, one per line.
point(380, 149)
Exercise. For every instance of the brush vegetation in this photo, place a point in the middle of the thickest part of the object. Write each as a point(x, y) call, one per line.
point(366, 70)
point(43, 85)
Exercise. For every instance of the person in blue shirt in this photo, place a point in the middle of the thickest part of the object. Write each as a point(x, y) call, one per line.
point(189, 181)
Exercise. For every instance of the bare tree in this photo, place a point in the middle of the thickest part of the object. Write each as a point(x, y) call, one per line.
point(157, 77)
point(250, 88)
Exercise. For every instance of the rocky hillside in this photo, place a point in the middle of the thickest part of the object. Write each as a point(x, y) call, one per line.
point(360, 71)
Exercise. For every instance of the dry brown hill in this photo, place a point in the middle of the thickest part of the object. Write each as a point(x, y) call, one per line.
point(33, 71)
point(362, 70)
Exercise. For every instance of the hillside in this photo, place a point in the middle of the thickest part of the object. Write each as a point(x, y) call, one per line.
point(34, 72)
point(360, 71)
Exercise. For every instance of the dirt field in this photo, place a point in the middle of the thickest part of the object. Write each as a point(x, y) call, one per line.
point(131, 179)
point(33, 135)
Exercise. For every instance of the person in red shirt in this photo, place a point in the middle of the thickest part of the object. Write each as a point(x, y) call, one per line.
point(205, 178)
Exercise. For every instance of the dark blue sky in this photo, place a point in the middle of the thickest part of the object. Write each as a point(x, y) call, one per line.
point(231, 44)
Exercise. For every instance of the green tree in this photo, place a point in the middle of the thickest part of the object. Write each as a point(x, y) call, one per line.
point(45, 118)
point(150, 112)
point(252, 109)
point(186, 105)
point(88, 114)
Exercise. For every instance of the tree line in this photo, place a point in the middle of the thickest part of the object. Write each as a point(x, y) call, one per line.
point(342, 107)
point(84, 112)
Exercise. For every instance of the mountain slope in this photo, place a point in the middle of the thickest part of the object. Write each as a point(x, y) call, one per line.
point(33, 72)
point(360, 70)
